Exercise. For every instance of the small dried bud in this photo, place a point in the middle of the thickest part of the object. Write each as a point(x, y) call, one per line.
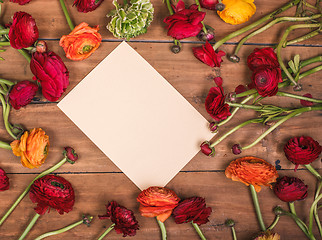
point(213, 127)
point(220, 7)
point(206, 149)
point(175, 49)
point(41, 46)
point(71, 155)
point(236, 149)
point(234, 58)
point(87, 220)
point(229, 223)
point(278, 210)
point(297, 87)
point(232, 97)
point(208, 36)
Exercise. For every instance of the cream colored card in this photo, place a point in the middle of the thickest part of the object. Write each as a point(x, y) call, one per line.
point(136, 118)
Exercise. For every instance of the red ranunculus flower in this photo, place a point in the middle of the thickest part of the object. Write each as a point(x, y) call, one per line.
point(192, 209)
point(70, 154)
point(266, 79)
point(302, 150)
point(206, 149)
point(124, 219)
point(207, 55)
point(22, 93)
point(52, 191)
point(209, 4)
point(51, 72)
point(306, 103)
point(23, 31)
point(4, 180)
point(262, 57)
point(215, 104)
point(290, 189)
point(21, 2)
point(184, 22)
point(87, 5)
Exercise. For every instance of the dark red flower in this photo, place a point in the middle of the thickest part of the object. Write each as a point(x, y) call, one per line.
point(22, 93)
point(290, 189)
point(23, 31)
point(209, 4)
point(206, 149)
point(262, 57)
point(207, 55)
point(215, 104)
point(87, 5)
point(240, 89)
point(4, 180)
point(21, 2)
point(124, 219)
point(302, 150)
point(51, 72)
point(192, 209)
point(184, 22)
point(266, 79)
point(306, 103)
point(52, 191)
point(71, 155)
point(236, 149)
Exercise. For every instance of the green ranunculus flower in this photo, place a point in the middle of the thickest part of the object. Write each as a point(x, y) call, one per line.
point(130, 20)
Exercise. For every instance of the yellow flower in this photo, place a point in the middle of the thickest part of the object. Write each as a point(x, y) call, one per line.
point(237, 11)
point(32, 148)
point(268, 236)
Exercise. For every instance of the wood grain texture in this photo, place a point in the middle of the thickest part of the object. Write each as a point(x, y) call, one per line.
point(97, 180)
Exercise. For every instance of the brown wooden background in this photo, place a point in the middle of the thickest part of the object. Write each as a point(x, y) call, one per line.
point(97, 180)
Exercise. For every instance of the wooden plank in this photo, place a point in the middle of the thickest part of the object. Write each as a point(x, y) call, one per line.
point(227, 199)
point(52, 24)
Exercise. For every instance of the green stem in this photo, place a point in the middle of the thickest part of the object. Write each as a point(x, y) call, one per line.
point(5, 114)
point(311, 71)
point(284, 94)
point(234, 233)
point(198, 230)
point(302, 38)
point(315, 211)
point(234, 112)
point(313, 171)
point(267, 26)
point(277, 217)
point(284, 119)
point(69, 21)
point(50, 170)
point(199, 9)
point(106, 232)
point(163, 230)
point(257, 208)
point(4, 31)
point(4, 89)
point(311, 213)
point(25, 54)
point(5, 146)
point(30, 225)
point(170, 9)
point(7, 82)
point(62, 230)
point(4, 44)
point(281, 43)
point(300, 224)
point(258, 22)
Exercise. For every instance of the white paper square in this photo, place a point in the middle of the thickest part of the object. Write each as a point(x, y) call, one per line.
point(136, 118)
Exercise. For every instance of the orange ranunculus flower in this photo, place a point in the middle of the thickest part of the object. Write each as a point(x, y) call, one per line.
point(81, 42)
point(157, 202)
point(237, 11)
point(252, 170)
point(32, 148)
point(268, 236)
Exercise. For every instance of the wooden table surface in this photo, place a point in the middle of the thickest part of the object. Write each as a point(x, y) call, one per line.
point(97, 180)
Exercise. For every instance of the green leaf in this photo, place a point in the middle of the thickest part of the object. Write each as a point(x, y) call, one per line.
point(292, 66)
point(297, 61)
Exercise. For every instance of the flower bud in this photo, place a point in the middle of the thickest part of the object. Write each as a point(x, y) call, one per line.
point(208, 36)
point(175, 49)
point(71, 155)
point(234, 58)
point(230, 223)
point(220, 7)
point(206, 149)
point(87, 220)
point(41, 46)
point(213, 127)
point(18, 130)
point(236, 149)
point(278, 211)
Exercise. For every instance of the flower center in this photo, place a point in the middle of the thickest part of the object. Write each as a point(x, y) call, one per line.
point(303, 147)
point(57, 184)
point(261, 81)
point(87, 48)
